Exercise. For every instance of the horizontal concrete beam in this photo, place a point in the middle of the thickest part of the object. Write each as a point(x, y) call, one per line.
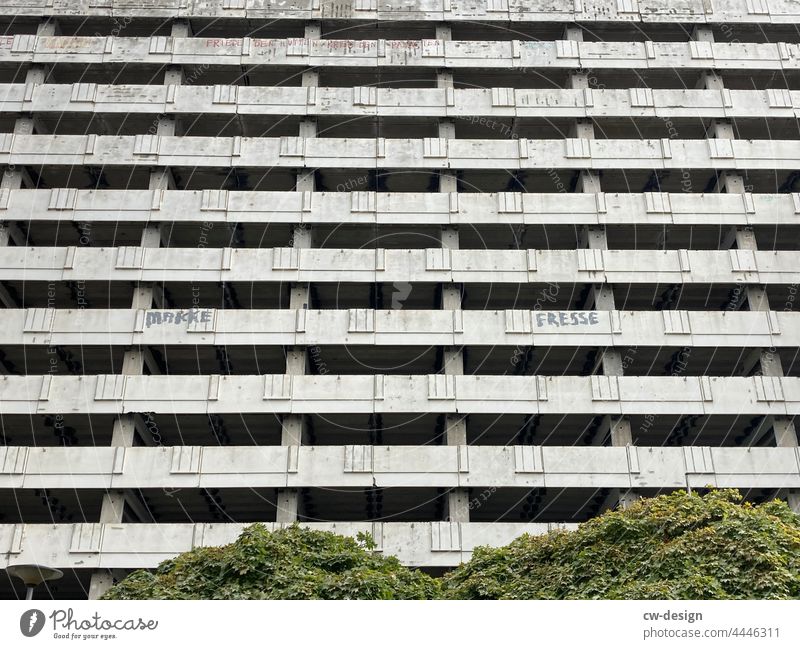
point(397, 208)
point(436, 393)
point(426, 153)
point(141, 545)
point(196, 467)
point(431, 265)
point(360, 327)
point(478, 106)
point(384, 53)
point(492, 11)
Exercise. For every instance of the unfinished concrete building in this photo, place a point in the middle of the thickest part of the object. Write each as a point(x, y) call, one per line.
point(443, 271)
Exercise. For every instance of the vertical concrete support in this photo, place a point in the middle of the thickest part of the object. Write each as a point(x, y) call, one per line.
point(293, 426)
point(732, 182)
point(133, 361)
point(313, 31)
point(15, 177)
point(618, 427)
point(452, 357)
point(453, 363)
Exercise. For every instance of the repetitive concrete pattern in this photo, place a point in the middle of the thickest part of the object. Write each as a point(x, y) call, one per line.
point(442, 271)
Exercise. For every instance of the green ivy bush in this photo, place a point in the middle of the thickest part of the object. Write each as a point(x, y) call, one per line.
point(290, 563)
point(677, 546)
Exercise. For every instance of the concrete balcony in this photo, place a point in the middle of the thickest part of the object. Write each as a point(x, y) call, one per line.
point(383, 53)
point(519, 11)
point(95, 545)
point(192, 467)
point(369, 153)
point(424, 266)
point(435, 393)
point(397, 208)
point(460, 104)
point(367, 327)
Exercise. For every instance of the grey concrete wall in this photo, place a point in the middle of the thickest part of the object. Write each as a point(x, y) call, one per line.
point(145, 191)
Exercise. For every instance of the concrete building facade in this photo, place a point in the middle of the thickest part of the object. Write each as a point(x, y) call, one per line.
point(442, 271)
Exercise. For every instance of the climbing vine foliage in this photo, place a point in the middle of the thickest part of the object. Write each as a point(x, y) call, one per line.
point(677, 546)
point(290, 563)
